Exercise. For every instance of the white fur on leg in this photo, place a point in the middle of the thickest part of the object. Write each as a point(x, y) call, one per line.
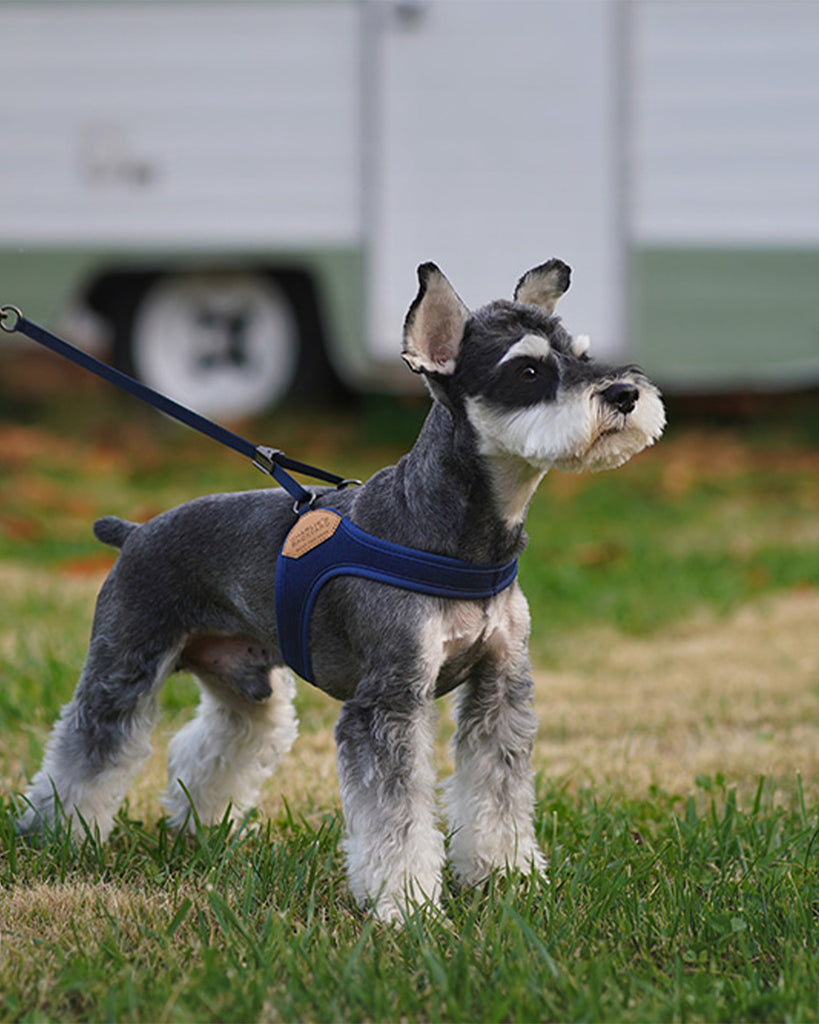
point(393, 870)
point(394, 848)
point(224, 754)
point(484, 837)
point(490, 803)
point(64, 780)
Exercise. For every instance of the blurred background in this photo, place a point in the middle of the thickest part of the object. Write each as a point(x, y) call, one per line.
point(230, 199)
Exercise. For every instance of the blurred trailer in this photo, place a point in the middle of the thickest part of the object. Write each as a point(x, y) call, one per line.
point(228, 198)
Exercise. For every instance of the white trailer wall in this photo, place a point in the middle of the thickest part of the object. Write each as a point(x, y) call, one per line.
point(497, 146)
point(196, 124)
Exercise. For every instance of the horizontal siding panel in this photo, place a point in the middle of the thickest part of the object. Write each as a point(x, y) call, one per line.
point(234, 122)
point(725, 122)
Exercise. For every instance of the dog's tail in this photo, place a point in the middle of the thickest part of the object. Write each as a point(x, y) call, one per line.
point(113, 530)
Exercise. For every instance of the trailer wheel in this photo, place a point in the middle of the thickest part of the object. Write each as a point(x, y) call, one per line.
point(226, 344)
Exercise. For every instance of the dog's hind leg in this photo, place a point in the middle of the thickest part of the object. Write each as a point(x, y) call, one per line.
point(244, 725)
point(99, 743)
point(394, 848)
point(490, 797)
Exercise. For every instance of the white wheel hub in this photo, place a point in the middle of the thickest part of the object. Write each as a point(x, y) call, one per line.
point(224, 344)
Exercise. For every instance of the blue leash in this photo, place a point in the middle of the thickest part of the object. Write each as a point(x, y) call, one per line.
point(269, 460)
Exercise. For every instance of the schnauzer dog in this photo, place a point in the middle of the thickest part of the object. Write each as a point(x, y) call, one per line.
point(514, 394)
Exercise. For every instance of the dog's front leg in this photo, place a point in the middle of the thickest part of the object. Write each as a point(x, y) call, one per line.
point(394, 848)
point(490, 797)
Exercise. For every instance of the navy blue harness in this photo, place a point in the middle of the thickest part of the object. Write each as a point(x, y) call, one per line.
point(324, 544)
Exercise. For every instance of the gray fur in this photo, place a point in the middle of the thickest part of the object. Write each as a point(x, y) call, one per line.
point(193, 588)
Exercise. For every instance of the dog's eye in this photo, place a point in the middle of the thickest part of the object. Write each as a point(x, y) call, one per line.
point(529, 372)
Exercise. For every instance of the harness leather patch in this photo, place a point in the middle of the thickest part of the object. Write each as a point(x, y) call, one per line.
point(312, 529)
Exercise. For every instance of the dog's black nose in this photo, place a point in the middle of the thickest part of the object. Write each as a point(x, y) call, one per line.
point(622, 396)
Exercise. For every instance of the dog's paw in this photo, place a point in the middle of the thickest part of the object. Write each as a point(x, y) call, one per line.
point(391, 881)
point(395, 908)
point(471, 868)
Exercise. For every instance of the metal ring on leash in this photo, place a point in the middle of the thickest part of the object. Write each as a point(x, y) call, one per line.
point(10, 313)
point(302, 505)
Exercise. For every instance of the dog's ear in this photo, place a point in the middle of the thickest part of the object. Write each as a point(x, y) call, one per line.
point(542, 286)
point(434, 325)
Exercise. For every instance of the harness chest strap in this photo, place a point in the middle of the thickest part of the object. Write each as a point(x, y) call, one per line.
point(323, 544)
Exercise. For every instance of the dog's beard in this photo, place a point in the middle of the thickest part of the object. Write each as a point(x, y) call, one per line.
point(618, 436)
point(579, 434)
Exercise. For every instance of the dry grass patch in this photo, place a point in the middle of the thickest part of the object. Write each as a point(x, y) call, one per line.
point(738, 696)
point(46, 924)
point(44, 914)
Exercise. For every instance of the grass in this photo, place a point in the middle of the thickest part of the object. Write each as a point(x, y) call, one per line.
point(672, 603)
point(656, 910)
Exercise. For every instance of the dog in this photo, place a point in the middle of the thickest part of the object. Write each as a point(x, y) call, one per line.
point(514, 395)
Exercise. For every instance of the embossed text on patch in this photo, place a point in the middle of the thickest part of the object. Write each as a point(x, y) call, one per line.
point(312, 529)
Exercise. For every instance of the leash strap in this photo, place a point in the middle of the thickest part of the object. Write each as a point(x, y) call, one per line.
point(324, 544)
point(269, 460)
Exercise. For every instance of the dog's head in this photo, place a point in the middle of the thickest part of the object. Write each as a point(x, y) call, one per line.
point(529, 388)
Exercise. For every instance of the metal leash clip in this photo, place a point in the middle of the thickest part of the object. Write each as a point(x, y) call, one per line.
point(265, 458)
point(13, 314)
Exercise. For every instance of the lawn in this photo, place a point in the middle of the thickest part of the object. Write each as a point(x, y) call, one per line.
point(676, 655)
